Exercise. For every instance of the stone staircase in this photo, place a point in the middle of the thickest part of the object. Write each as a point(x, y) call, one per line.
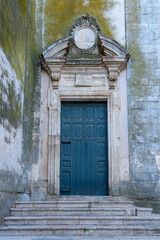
point(77, 218)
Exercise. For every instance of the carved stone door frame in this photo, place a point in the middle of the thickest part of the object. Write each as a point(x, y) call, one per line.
point(54, 138)
point(87, 78)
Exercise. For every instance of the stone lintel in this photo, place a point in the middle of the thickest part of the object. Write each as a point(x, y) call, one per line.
point(83, 80)
point(84, 61)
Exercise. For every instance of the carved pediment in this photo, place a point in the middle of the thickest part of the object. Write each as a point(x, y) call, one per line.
point(85, 45)
point(58, 49)
point(111, 48)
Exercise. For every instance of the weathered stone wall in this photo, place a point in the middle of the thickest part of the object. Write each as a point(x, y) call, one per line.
point(17, 79)
point(56, 19)
point(26, 28)
point(143, 43)
point(59, 16)
point(134, 24)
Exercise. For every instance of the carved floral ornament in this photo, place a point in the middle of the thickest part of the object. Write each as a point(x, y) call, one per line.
point(85, 41)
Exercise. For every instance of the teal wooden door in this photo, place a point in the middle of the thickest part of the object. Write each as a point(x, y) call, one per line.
point(84, 165)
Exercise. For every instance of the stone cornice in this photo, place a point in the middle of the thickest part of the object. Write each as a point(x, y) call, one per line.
point(109, 53)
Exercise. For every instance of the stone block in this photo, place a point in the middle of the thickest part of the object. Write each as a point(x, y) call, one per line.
point(39, 190)
point(141, 176)
point(145, 187)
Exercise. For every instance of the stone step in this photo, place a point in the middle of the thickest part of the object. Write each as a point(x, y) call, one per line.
point(85, 220)
point(74, 203)
point(142, 211)
point(87, 198)
point(80, 238)
point(133, 211)
point(70, 211)
point(80, 230)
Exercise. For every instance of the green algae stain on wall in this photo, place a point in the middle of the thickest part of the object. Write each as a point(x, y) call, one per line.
point(17, 31)
point(60, 16)
point(139, 69)
point(31, 79)
point(23, 7)
point(13, 33)
point(12, 108)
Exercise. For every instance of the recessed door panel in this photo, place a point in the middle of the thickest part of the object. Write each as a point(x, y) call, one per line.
point(84, 157)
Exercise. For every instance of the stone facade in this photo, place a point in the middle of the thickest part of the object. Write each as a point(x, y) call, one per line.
point(27, 30)
point(143, 42)
point(16, 84)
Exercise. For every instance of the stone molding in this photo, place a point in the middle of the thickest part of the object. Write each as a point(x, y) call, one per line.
point(54, 104)
point(55, 74)
point(79, 86)
point(82, 24)
point(53, 68)
point(113, 56)
point(83, 80)
point(114, 66)
point(85, 20)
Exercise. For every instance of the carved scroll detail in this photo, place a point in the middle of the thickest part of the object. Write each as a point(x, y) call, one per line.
point(114, 67)
point(55, 76)
point(53, 68)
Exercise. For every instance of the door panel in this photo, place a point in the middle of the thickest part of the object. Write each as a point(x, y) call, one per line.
point(84, 165)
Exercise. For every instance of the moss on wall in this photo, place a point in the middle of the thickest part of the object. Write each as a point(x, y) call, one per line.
point(139, 66)
point(17, 31)
point(12, 188)
point(10, 108)
point(60, 16)
point(17, 43)
point(6, 201)
point(13, 33)
point(31, 68)
point(143, 97)
point(23, 8)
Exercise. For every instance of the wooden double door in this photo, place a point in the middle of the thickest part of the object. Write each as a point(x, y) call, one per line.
point(84, 157)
